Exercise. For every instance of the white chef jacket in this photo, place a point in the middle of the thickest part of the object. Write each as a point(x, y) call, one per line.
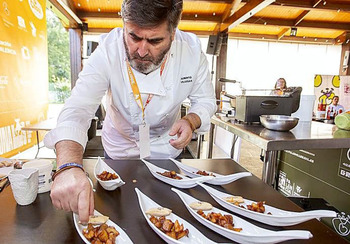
point(185, 75)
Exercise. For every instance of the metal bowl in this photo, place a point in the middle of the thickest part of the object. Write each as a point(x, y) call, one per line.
point(278, 122)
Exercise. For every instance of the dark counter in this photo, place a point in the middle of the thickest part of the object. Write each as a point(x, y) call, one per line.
point(41, 223)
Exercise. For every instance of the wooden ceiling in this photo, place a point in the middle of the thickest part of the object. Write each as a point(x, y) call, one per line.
point(316, 21)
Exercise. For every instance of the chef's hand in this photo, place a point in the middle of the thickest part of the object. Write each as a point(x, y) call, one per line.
point(184, 129)
point(71, 191)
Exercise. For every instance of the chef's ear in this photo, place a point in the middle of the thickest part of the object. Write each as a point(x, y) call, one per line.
point(173, 35)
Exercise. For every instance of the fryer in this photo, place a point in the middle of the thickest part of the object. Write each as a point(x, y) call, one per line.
point(255, 102)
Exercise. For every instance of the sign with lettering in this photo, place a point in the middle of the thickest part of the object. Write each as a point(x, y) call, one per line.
point(319, 174)
point(23, 72)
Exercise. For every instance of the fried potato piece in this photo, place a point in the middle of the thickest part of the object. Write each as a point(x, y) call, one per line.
point(174, 230)
point(171, 174)
point(204, 173)
point(225, 221)
point(257, 207)
point(101, 234)
point(105, 176)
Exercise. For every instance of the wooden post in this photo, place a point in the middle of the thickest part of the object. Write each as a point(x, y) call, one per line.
point(76, 46)
point(345, 39)
point(221, 61)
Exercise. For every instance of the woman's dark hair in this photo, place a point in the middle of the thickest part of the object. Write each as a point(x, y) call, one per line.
point(151, 13)
point(284, 81)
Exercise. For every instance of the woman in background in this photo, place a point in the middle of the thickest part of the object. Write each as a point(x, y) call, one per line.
point(280, 87)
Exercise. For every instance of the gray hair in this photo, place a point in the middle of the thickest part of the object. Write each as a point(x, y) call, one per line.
point(151, 13)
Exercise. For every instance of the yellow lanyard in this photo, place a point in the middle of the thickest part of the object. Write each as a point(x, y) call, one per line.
point(135, 88)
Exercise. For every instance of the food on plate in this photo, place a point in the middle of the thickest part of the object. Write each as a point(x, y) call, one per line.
point(171, 174)
point(105, 176)
point(18, 164)
point(225, 221)
point(203, 172)
point(234, 199)
point(256, 207)
point(201, 206)
point(174, 230)
point(159, 212)
point(98, 220)
point(102, 234)
point(5, 163)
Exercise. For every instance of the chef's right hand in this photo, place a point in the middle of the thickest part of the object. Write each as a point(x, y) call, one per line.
point(71, 191)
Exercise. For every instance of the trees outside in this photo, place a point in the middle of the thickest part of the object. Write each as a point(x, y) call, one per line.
point(59, 59)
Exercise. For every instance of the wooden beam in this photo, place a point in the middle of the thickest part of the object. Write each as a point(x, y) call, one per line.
point(315, 3)
point(74, 21)
point(261, 37)
point(221, 62)
point(229, 10)
point(312, 40)
point(106, 30)
point(70, 4)
point(301, 17)
point(75, 45)
point(202, 17)
point(344, 66)
point(99, 30)
point(282, 33)
point(290, 23)
point(187, 17)
point(244, 13)
point(344, 37)
point(309, 5)
point(211, 1)
point(98, 15)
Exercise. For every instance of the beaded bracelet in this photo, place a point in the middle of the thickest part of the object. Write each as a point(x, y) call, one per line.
point(66, 166)
point(70, 164)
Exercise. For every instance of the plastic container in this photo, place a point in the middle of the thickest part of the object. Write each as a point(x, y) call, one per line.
point(45, 168)
point(342, 121)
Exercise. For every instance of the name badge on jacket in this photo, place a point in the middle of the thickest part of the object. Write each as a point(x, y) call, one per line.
point(145, 143)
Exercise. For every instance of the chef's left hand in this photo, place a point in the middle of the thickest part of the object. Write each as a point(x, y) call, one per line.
point(182, 129)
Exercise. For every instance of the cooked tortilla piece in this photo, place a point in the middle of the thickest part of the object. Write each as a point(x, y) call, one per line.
point(201, 206)
point(98, 220)
point(234, 199)
point(159, 212)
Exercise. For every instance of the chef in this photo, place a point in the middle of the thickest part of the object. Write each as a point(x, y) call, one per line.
point(146, 69)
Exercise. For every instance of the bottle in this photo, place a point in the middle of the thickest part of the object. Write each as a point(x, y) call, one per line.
point(222, 94)
point(342, 121)
point(328, 114)
point(331, 114)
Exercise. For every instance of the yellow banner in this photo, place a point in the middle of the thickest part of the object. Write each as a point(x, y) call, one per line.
point(23, 72)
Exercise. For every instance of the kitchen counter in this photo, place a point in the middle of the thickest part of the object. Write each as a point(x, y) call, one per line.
point(40, 222)
point(306, 135)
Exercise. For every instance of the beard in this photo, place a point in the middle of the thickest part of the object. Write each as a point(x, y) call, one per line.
point(145, 64)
